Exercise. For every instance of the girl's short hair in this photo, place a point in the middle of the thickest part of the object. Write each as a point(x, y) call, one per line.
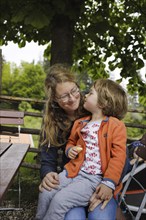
point(112, 98)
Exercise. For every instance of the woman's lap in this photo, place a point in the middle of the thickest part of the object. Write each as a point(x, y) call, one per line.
point(79, 213)
point(109, 212)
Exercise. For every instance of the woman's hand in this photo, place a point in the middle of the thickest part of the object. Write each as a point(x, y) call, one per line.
point(103, 194)
point(49, 182)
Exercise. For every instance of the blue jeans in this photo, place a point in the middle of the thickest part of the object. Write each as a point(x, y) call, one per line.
point(79, 213)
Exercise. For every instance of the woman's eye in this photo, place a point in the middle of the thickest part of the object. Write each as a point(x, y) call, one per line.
point(64, 96)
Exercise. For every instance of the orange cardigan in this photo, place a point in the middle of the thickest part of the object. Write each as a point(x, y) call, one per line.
point(112, 145)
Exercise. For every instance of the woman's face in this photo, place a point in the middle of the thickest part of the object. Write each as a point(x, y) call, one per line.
point(68, 97)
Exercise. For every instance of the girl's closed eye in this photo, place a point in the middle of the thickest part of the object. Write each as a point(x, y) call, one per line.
point(90, 92)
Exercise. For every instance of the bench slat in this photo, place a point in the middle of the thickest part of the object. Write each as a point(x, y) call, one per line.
point(4, 147)
point(11, 117)
point(17, 121)
point(11, 114)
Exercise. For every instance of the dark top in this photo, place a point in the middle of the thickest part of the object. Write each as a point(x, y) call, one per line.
point(53, 158)
point(50, 159)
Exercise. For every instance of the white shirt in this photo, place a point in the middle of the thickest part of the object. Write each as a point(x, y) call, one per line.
point(92, 163)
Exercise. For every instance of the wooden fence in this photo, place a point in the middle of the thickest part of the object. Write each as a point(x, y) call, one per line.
point(8, 99)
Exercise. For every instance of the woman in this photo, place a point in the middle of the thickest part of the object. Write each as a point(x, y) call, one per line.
point(64, 105)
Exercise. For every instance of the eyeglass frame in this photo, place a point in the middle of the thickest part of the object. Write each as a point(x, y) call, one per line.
point(74, 90)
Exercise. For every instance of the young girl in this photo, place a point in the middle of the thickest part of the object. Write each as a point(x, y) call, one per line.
point(99, 165)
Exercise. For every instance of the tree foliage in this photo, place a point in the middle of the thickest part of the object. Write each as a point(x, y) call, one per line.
point(24, 81)
point(83, 33)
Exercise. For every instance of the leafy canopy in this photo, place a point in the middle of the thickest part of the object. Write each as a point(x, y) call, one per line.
point(101, 30)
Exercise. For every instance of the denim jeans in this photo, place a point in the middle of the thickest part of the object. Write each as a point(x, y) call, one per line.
point(72, 192)
point(79, 213)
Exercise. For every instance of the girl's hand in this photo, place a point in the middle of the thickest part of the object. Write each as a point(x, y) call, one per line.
point(74, 151)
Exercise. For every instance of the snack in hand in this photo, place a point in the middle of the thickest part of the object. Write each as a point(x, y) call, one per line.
point(79, 149)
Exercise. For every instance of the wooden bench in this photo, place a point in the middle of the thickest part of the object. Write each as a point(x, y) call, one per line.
point(11, 154)
point(11, 117)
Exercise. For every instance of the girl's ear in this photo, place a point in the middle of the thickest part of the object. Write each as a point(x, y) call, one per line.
point(100, 106)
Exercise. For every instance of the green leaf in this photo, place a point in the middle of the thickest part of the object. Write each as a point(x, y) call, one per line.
point(19, 16)
point(140, 63)
point(22, 43)
point(100, 28)
point(37, 20)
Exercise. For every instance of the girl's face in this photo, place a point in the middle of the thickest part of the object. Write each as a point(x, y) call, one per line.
point(90, 102)
point(68, 97)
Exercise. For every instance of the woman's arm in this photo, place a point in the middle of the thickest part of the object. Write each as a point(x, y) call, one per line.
point(49, 163)
point(49, 157)
point(48, 171)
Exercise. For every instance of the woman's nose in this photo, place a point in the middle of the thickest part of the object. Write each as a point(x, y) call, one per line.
point(71, 97)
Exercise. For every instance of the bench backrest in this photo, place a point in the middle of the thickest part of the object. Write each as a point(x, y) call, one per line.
point(11, 117)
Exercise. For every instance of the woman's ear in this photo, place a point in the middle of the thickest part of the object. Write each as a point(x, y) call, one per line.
point(54, 104)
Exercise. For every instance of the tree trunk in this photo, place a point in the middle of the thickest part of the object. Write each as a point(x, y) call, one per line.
point(62, 40)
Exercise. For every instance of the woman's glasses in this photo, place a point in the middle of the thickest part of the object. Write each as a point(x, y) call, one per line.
point(66, 97)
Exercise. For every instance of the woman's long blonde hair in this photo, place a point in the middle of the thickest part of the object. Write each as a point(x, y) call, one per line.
point(55, 118)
